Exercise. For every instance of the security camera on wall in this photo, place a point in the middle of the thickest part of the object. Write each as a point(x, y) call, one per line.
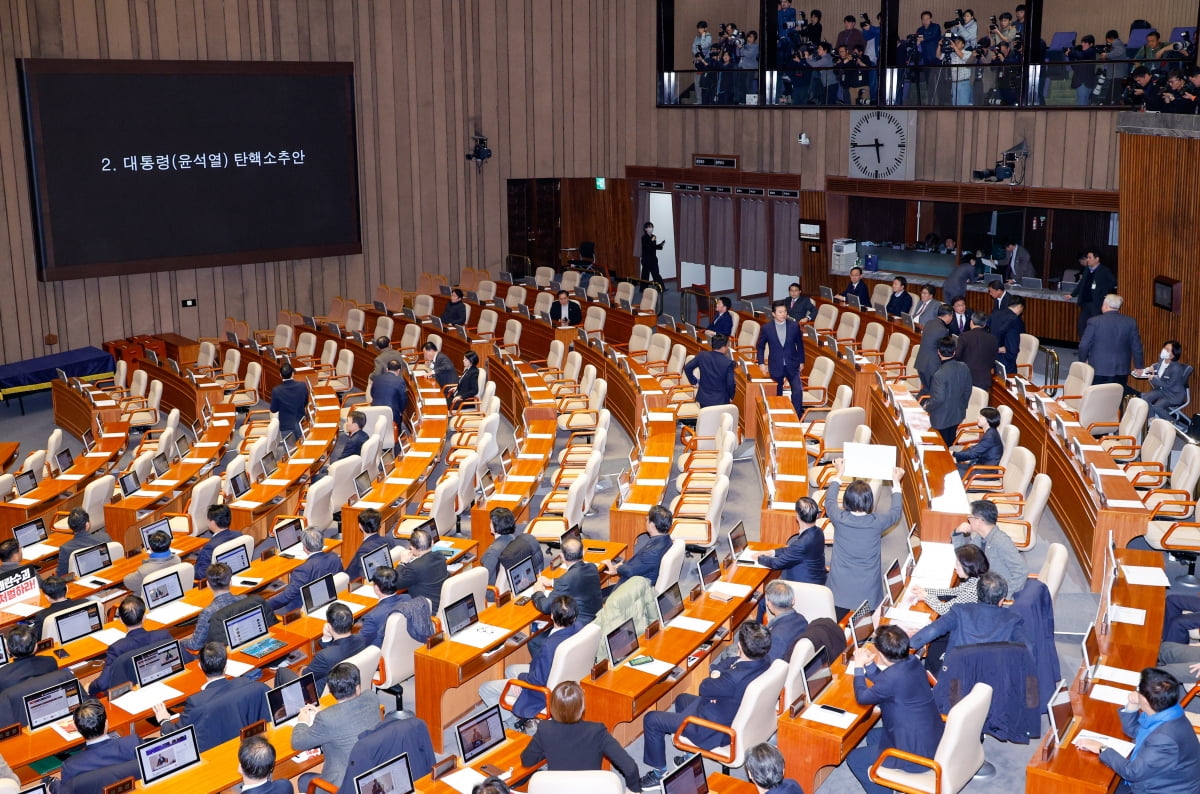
point(481, 151)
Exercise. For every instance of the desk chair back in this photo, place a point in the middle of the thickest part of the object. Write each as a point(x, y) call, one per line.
point(574, 657)
point(670, 567)
point(816, 385)
point(569, 280)
point(813, 601)
point(597, 286)
point(488, 320)
point(441, 510)
point(1019, 472)
point(794, 683)
point(367, 662)
point(397, 655)
point(486, 290)
point(1054, 569)
point(595, 320)
point(881, 293)
point(543, 303)
point(543, 276)
point(848, 325)
point(755, 720)
point(207, 357)
point(514, 297)
point(1022, 527)
point(342, 473)
point(460, 584)
point(897, 348)
point(318, 505)
point(1101, 404)
point(306, 344)
point(384, 326)
point(873, 338)
point(649, 302)
point(1079, 378)
point(195, 520)
point(826, 318)
point(1026, 355)
point(356, 320)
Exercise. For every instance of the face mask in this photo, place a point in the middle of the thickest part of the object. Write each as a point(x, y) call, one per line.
point(1164, 356)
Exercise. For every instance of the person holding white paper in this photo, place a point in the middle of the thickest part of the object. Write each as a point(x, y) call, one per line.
point(854, 572)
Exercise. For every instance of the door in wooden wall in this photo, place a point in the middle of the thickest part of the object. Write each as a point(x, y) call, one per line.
point(535, 221)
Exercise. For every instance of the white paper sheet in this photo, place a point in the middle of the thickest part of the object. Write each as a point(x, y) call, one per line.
point(731, 589)
point(653, 667)
point(36, 551)
point(236, 669)
point(172, 612)
point(1145, 575)
point(1120, 745)
point(869, 461)
point(825, 716)
point(1118, 675)
point(463, 780)
point(1109, 694)
point(1131, 615)
point(143, 699)
point(685, 623)
point(109, 636)
point(246, 504)
point(22, 608)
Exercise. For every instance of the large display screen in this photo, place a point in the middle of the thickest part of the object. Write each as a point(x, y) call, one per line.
point(140, 166)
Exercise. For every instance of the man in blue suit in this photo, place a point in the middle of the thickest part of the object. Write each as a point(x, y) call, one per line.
point(256, 764)
point(899, 686)
point(719, 700)
point(288, 400)
point(337, 644)
point(101, 751)
point(222, 707)
point(712, 372)
point(219, 519)
point(785, 623)
point(386, 582)
point(563, 614)
point(318, 564)
point(648, 550)
point(390, 389)
point(375, 534)
point(1166, 753)
point(972, 624)
point(132, 612)
point(784, 345)
point(722, 323)
point(356, 436)
point(1110, 341)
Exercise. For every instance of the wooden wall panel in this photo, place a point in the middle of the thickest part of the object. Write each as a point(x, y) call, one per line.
point(602, 216)
point(555, 99)
point(1160, 234)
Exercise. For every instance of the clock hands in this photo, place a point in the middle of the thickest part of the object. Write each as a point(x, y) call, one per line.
point(876, 146)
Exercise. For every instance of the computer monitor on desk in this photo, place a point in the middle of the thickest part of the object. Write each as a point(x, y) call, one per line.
point(687, 778)
point(479, 733)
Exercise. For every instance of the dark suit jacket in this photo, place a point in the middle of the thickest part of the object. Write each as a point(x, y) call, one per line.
point(720, 696)
point(82, 540)
point(97, 756)
point(374, 623)
point(444, 371)
point(971, 624)
point(331, 655)
point(714, 374)
point(924, 312)
point(1172, 383)
point(529, 704)
point(787, 357)
point(1007, 327)
point(977, 349)
point(316, 566)
point(802, 559)
point(949, 393)
point(424, 576)
point(335, 730)
point(722, 324)
point(118, 670)
point(352, 445)
point(385, 357)
point(927, 358)
point(274, 787)
point(647, 557)
point(1110, 340)
point(222, 709)
point(859, 289)
point(955, 285)
point(455, 314)
point(371, 542)
point(27, 667)
point(577, 747)
point(985, 452)
point(582, 582)
point(1168, 762)
point(1020, 267)
point(785, 629)
point(468, 385)
point(960, 324)
point(574, 313)
point(1092, 287)
point(910, 718)
point(384, 742)
point(390, 389)
point(899, 304)
point(289, 400)
point(801, 308)
point(204, 556)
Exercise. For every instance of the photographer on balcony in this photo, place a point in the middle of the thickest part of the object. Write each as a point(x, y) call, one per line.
point(965, 27)
point(1176, 96)
point(1083, 71)
point(929, 38)
point(1140, 89)
point(961, 76)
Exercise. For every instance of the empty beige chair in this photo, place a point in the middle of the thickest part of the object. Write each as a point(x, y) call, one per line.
point(697, 516)
point(597, 286)
point(670, 566)
point(826, 318)
point(624, 292)
point(486, 291)
point(872, 340)
point(754, 722)
point(1018, 474)
point(813, 600)
point(53, 444)
point(488, 321)
point(342, 473)
point(396, 658)
point(1054, 569)
point(846, 332)
point(659, 349)
point(247, 396)
point(959, 754)
point(341, 379)
point(1123, 444)
point(881, 293)
point(1154, 453)
point(747, 339)
point(512, 338)
point(441, 510)
point(306, 345)
point(596, 781)
point(230, 367)
point(1026, 356)
point(356, 320)
point(1100, 407)
point(514, 297)
point(570, 280)
point(318, 507)
point(329, 353)
point(143, 411)
point(816, 385)
point(649, 301)
point(813, 421)
point(586, 418)
point(206, 359)
point(384, 326)
point(1022, 527)
point(1070, 391)
point(1172, 523)
point(543, 277)
point(195, 520)
point(891, 358)
point(543, 303)
point(96, 494)
point(594, 320)
point(423, 306)
point(839, 427)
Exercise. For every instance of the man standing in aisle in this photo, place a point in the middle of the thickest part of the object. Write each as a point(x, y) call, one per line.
point(1110, 341)
point(1095, 282)
point(782, 341)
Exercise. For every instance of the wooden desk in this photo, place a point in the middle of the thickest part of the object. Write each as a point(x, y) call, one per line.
point(8, 453)
point(506, 756)
point(724, 784)
point(647, 485)
point(780, 444)
point(180, 348)
point(1126, 646)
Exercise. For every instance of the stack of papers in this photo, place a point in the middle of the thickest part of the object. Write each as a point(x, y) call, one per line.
point(654, 667)
point(691, 624)
point(35, 551)
point(463, 780)
point(172, 612)
point(1109, 694)
point(730, 589)
point(1118, 675)
point(906, 617)
point(143, 699)
point(838, 719)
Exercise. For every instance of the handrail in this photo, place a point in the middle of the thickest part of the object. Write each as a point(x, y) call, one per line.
point(1051, 369)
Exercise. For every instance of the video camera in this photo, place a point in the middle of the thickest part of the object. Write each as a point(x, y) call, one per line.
point(958, 20)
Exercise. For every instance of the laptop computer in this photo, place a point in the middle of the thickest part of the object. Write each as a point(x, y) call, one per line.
point(378, 557)
point(89, 440)
point(269, 464)
point(51, 704)
point(25, 482)
point(159, 464)
point(739, 543)
point(287, 539)
point(387, 458)
point(76, 623)
point(622, 642)
point(362, 484)
point(238, 561)
point(709, 569)
point(391, 777)
point(1031, 283)
point(31, 536)
point(64, 459)
point(462, 625)
point(159, 662)
point(92, 559)
point(164, 599)
point(167, 755)
point(3, 652)
point(247, 633)
point(318, 595)
point(853, 302)
point(1061, 712)
point(670, 605)
point(130, 483)
point(522, 578)
point(880, 309)
point(893, 583)
point(285, 701)
point(687, 778)
point(817, 676)
point(479, 733)
point(161, 525)
point(239, 484)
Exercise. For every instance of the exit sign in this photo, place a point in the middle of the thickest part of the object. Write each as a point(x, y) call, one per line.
point(601, 183)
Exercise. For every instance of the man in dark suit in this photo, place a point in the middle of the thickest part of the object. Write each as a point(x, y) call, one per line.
point(1007, 325)
point(318, 564)
point(972, 624)
point(1110, 341)
point(722, 323)
point(960, 319)
point(783, 344)
point(101, 751)
point(55, 590)
point(509, 546)
point(528, 705)
point(422, 569)
point(222, 707)
point(932, 334)
point(336, 728)
point(375, 534)
point(80, 524)
point(581, 581)
point(715, 382)
point(390, 389)
point(24, 664)
point(799, 306)
point(256, 764)
point(132, 613)
point(219, 520)
point(1095, 281)
point(648, 549)
point(955, 285)
point(443, 368)
point(1000, 298)
point(899, 686)
point(386, 355)
point(949, 392)
point(718, 701)
point(1166, 753)
point(288, 400)
point(356, 436)
point(374, 623)
point(856, 287)
point(977, 349)
point(455, 312)
point(1017, 264)
point(783, 621)
point(565, 311)
point(337, 644)
point(1168, 381)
